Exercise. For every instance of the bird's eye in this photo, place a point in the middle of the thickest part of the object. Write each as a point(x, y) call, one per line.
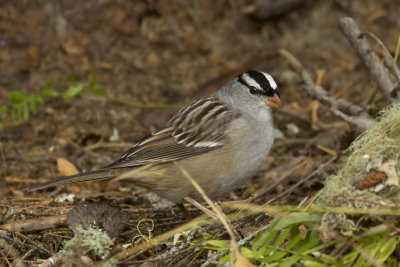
point(253, 90)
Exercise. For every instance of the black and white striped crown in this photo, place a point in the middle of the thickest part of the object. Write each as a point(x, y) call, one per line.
point(259, 82)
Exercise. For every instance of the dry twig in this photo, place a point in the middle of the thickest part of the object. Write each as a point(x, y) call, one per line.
point(370, 59)
point(349, 112)
point(321, 167)
point(36, 224)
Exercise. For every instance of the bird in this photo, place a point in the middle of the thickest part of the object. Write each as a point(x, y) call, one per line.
point(220, 140)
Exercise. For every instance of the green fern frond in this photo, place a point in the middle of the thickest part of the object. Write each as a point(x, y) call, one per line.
point(294, 240)
point(22, 104)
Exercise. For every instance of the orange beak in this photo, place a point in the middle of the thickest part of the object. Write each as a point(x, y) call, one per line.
point(274, 102)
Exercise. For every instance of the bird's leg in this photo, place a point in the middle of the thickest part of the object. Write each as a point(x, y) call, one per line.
point(184, 211)
point(201, 207)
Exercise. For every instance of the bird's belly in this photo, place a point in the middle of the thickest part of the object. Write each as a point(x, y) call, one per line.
point(217, 176)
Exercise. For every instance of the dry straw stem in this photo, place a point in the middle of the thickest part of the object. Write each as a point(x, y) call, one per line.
point(216, 209)
point(348, 111)
point(378, 71)
point(278, 210)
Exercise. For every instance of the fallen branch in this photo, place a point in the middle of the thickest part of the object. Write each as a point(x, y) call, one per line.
point(348, 111)
point(37, 224)
point(378, 71)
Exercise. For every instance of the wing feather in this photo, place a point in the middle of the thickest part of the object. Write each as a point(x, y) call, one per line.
point(194, 130)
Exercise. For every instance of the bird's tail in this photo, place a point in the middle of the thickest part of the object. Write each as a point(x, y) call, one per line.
point(104, 174)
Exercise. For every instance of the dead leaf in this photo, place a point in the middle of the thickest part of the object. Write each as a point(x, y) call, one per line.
point(65, 167)
point(75, 44)
point(243, 262)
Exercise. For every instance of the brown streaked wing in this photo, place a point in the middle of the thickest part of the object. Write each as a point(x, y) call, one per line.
point(203, 123)
point(194, 130)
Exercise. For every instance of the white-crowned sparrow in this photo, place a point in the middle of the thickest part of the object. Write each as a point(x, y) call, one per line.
point(220, 140)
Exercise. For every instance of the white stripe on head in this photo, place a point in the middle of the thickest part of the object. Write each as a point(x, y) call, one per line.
point(270, 80)
point(250, 81)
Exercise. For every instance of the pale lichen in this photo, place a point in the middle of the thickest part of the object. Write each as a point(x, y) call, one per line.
point(377, 146)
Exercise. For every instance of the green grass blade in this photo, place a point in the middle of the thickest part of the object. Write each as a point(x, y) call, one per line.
point(25, 108)
point(396, 55)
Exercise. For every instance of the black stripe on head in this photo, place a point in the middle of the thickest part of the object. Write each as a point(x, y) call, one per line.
point(264, 83)
point(277, 91)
